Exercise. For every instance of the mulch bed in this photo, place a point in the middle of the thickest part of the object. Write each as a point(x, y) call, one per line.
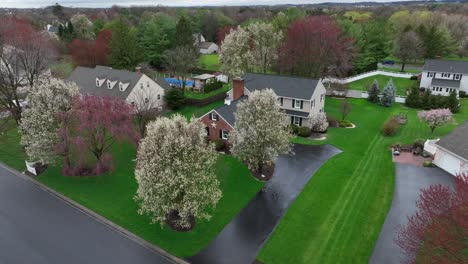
point(267, 173)
point(172, 218)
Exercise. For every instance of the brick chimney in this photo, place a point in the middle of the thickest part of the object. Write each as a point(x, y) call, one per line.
point(237, 88)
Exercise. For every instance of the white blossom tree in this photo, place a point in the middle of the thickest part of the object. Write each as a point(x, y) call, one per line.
point(175, 172)
point(319, 122)
point(40, 122)
point(235, 53)
point(259, 132)
point(265, 42)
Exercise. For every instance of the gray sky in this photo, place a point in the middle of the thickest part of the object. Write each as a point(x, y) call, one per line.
point(107, 3)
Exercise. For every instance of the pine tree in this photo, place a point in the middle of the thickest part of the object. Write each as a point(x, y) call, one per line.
point(452, 102)
point(388, 95)
point(426, 100)
point(184, 33)
point(374, 92)
point(124, 49)
point(413, 99)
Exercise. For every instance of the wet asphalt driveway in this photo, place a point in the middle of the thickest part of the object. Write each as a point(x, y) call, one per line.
point(241, 240)
point(38, 227)
point(408, 184)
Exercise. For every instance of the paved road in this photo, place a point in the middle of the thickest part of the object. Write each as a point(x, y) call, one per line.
point(409, 181)
point(241, 240)
point(38, 227)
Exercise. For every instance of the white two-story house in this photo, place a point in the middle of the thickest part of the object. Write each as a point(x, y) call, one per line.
point(299, 98)
point(136, 88)
point(443, 76)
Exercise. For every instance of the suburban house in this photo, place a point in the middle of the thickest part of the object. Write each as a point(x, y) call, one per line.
point(451, 152)
point(208, 48)
point(299, 98)
point(134, 87)
point(443, 76)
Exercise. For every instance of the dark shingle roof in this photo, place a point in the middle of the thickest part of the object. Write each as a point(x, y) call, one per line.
point(85, 78)
point(446, 66)
point(294, 87)
point(445, 83)
point(227, 111)
point(457, 141)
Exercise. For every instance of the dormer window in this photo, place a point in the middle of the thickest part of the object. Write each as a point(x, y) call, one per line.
point(141, 85)
point(110, 84)
point(430, 74)
point(445, 75)
point(97, 82)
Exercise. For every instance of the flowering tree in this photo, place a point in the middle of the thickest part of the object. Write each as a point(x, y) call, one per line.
point(82, 26)
point(235, 54)
point(374, 92)
point(316, 46)
point(175, 172)
point(40, 122)
point(92, 127)
point(91, 52)
point(264, 45)
point(222, 33)
point(388, 94)
point(259, 132)
point(435, 118)
point(437, 232)
point(319, 122)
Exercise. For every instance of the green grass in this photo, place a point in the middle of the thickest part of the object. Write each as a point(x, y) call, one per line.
point(397, 70)
point(63, 67)
point(189, 111)
point(209, 62)
point(401, 84)
point(195, 95)
point(11, 152)
point(338, 216)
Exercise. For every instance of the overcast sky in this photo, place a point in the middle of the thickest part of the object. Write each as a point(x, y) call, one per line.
point(107, 3)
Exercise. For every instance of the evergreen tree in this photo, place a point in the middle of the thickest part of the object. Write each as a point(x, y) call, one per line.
point(374, 92)
point(413, 99)
point(60, 31)
point(453, 103)
point(124, 49)
point(184, 33)
point(426, 100)
point(388, 95)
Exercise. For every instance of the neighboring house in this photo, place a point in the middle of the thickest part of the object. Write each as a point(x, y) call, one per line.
point(299, 98)
point(208, 48)
point(134, 87)
point(443, 76)
point(198, 39)
point(451, 152)
point(202, 80)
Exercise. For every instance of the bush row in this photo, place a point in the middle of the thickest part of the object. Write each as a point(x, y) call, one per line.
point(426, 100)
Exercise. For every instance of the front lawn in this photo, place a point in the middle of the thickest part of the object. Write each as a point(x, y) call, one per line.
point(401, 84)
point(209, 62)
point(338, 216)
point(11, 152)
point(196, 111)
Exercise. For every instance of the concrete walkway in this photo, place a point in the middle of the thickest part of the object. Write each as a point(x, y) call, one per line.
point(241, 240)
point(409, 181)
point(39, 227)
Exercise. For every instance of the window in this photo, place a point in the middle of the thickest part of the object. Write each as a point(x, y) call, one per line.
point(297, 104)
point(281, 101)
point(147, 84)
point(109, 85)
point(457, 77)
point(224, 134)
point(207, 131)
point(297, 121)
point(146, 100)
point(430, 74)
point(97, 82)
point(322, 96)
point(445, 75)
point(312, 103)
point(159, 97)
point(141, 85)
point(214, 117)
point(446, 90)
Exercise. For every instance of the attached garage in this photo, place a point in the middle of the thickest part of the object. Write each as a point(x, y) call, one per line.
point(452, 151)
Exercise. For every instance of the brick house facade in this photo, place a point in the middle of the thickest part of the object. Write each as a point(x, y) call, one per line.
point(216, 126)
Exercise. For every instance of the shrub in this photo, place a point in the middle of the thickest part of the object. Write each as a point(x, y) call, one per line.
point(413, 99)
point(304, 131)
point(319, 122)
point(219, 144)
point(214, 85)
point(427, 163)
point(175, 98)
point(462, 94)
point(332, 122)
point(390, 127)
point(294, 129)
point(413, 77)
point(346, 123)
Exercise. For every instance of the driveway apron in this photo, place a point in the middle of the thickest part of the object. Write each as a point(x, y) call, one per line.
point(409, 181)
point(37, 227)
point(241, 240)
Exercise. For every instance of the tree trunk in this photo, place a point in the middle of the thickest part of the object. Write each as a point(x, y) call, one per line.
point(403, 66)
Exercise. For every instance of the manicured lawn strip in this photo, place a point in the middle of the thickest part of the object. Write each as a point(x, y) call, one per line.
point(398, 70)
point(189, 111)
point(210, 62)
point(195, 95)
point(11, 152)
point(401, 84)
point(338, 216)
point(112, 195)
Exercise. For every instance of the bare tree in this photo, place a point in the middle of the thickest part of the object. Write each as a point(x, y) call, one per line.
point(408, 47)
point(180, 61)
point(345, 109)
point(145, 109)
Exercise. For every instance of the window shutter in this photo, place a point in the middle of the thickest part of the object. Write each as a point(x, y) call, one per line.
point(221, 133)
point(292, 120)
point(207, 131)
point(217, 117)
point(302, 104)
point(281, 100)
point(300, 120)
point(293, 101)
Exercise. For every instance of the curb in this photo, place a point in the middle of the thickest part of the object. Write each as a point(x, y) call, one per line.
point(97, 217)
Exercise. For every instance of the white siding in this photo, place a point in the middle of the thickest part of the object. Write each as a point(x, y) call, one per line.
point(450, 162)
point(146, 88)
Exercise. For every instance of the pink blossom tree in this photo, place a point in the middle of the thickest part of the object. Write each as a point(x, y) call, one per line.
point(437, 232)
point(435, 118)
point(92, 127)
